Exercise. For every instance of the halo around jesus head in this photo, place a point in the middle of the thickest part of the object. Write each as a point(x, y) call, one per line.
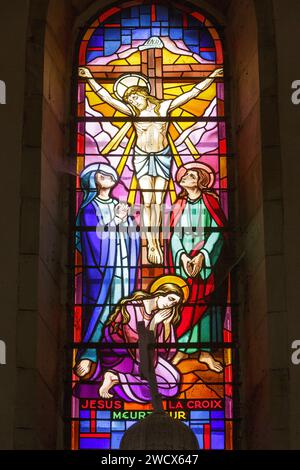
point(178, 281)
point(128, 80)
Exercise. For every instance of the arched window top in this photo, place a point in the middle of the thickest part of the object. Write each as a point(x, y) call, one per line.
point(133, 23)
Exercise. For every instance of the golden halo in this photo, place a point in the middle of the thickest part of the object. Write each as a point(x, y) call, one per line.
point(128, 80)
point(178, 281)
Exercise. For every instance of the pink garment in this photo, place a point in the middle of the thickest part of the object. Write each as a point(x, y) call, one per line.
point(125, 362)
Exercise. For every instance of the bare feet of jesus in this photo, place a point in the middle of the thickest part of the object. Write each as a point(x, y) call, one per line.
point(83, 367)
point(110, 379)
point(210, 361)
point(160, 252)
point(154, 256)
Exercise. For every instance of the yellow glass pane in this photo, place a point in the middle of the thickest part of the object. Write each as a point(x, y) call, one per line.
point(79, 164)
point(174, 151)
point(227, 356)
point(223, 167)
point(93, 99)
point(209, 93)
point(171, 85)
point(132, 191)
point(119, 62)
point(118, 124)
point(104, 109)
point(169, 57)
point(173, 133)
point(186, 59)
point(167, 96)
point(134, 59)
point(74, 357)
point(186, 114)
point(196, 107)
point(109, 87)
point(185, 124)
point(172, 191)
point(188, 142)
point(186, 88)
point(177, 112)
point(119, 114)
point(175, 92)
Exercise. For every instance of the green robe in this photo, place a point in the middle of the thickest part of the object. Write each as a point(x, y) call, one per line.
point(188, 233)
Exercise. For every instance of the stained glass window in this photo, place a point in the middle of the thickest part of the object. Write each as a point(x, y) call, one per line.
point(151, 224)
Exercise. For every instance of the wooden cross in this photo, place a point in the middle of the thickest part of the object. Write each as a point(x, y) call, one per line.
point(151, 65)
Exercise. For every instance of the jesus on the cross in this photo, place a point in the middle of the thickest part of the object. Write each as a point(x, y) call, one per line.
point(152, 154)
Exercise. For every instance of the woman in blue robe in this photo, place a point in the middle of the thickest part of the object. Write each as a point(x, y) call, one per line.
point(108, 241)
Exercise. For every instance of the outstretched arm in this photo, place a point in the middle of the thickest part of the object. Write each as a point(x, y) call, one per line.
point(199, 88)
point(103, 93)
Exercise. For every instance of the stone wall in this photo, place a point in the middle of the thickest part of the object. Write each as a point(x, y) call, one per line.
point(12, 67)
point(243, 55)
point(287, 278)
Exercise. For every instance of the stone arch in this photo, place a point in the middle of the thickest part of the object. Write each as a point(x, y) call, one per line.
point(43, 243)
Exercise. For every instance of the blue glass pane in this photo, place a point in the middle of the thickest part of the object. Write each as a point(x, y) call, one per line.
point(199, 414)
point(164, 32)
point(175, 18)
point(99, 32)
point(193, 21)
point(116, 438)
point(206, 39)
point(155, 32)
point(118, 425)
point(191, 38)
point(145, 9)
point(104, 443)
point(93, 55)
point(217, 425)
point(135, 12)
point(84, 426)
point(113, 19)
point(145, 20)
point(141, 34)
point(126, 39)
point(198, 431)
point(217, 440)
point(103, 426)
point(175, 33)
point(208, 55)
point(96, 41)
point(129, 424)
point(126, 32)
point(161, 13)
point(84, 414)
point(194, 49)
point(112, 34)
point(217, 414)
point(93, 443)
point(110, 47)
point(103, 414)
point(130, 22)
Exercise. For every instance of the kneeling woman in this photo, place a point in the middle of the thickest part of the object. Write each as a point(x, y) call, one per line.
point(159, 309)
